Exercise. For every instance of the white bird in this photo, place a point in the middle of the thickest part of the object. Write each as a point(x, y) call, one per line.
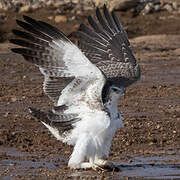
point(84, 83)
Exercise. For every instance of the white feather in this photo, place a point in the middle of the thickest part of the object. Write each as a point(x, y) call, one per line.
point(54, 131)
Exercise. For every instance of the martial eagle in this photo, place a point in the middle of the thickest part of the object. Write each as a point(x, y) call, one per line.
point(84, 82)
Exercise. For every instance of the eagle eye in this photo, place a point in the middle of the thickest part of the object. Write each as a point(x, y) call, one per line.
point(115, 89)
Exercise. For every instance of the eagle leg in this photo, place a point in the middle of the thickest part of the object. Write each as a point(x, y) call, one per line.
point(104, 165)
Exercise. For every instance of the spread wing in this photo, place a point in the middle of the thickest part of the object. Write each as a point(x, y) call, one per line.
point(106, 45)
point(67, 71)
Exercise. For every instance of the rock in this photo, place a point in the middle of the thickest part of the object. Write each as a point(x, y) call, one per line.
point(123, 4)
point(60, 18)
point(157, 7)
point(35, 6)
point(75, 1)
point(148, 8)
point(50, 17)
point(13, 99)
point(175, 5)
point(5, 6)
point(59, 4)
point(58, 12)
point(99, 3)
point(78, 12)
point(117, 4)
point(73, 18)
point(26, 8)
point(49, 3)
point(168, 7)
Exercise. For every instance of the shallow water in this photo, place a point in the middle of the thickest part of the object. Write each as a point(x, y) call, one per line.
point(14, 162)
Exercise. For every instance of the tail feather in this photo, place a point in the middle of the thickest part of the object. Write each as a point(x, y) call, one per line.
point(49, 120)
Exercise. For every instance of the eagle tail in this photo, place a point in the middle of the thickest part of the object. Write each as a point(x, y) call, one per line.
point(43, 117)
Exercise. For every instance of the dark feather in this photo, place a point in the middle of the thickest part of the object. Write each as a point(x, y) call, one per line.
point(114, 57)
point(98, 28)
point(102, 22)
point(110, 20)
point(65, 122)
point(31, 29)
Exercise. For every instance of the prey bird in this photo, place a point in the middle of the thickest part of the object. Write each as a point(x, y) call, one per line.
point(84, 82)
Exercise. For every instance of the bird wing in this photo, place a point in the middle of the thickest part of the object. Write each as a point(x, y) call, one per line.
point(106, 45)
point(67, 71)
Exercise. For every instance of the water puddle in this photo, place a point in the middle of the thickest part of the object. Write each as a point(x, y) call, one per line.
point(156, 167)
point(151, 168)
point(16, 163)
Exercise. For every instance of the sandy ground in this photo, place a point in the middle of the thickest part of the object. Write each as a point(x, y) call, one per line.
point(151, 108)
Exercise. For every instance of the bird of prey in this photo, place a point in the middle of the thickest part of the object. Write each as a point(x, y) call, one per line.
point(84, 82)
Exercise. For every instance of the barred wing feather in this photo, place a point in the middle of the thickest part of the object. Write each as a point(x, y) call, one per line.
point(106, 44)
point(67, 71)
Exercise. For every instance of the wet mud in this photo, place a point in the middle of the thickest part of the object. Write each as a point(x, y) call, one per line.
point(148, 147)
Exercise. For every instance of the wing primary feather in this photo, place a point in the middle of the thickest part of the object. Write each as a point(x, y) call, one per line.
point(110, 20)
point(92, 33)
point(120, 27)
point(30, 28)
point(28, 36)
point(41, 28)
point(30, 52)
point(102, 21)
point(61, 35)
point(27, 44)
point(98, 29)
point(88, 39)
point(92, 46)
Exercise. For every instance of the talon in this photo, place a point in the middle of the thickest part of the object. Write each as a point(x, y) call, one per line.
point(104, 165)
point(98, 169)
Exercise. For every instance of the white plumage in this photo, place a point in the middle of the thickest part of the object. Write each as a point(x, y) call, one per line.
point(84, 85)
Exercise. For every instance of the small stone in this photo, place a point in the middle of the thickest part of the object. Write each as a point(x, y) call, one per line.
point(58, 4)
point(168, 7)
point(175, 5)
point(13, 99)
point(158, 126)
point(73, 18)
point(147, 9)
point(24, 9)
point(60, 18)
point(157, 8)
point(78, 12)
point(75, 1)
point(49, 3)
point(50, 17)
point(35, 6)
point(6, 114)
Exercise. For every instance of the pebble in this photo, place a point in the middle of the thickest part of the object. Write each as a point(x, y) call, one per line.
point(50, 17)
point(175, 5)
point(24, 9)
point(13, 99)
point(148, 8)
point(168, 7)
point(60, 18)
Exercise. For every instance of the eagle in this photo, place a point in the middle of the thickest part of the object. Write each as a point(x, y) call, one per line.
point(83, 80)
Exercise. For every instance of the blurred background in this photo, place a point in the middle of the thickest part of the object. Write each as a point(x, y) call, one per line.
point(138, 16)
